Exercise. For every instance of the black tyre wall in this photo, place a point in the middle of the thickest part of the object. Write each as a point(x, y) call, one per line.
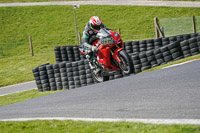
point(72, 70)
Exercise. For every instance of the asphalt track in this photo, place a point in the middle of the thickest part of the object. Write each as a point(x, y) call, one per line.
point(171, 93)
point(17, 88)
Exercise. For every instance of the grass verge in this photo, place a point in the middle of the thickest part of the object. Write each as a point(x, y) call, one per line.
point(55, 126)
point(22, 96)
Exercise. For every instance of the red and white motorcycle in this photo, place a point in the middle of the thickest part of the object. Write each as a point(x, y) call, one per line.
point(110, 55)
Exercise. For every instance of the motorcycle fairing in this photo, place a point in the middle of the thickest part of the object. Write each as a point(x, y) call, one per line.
point(103, 57)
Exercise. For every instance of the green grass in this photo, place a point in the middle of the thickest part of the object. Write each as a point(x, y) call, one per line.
point(171, 25)
point(22, 96)
point(19, 69)
point(55, 126)
point(51, 26)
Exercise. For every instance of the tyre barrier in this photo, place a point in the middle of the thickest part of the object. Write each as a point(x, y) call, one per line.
point(146, 45)
point(162, 55)
point(72, 69)
point(72, 53)
point(65, 75)
point(68, 53)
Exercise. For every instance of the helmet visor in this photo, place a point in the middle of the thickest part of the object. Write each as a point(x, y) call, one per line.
point(96, 27)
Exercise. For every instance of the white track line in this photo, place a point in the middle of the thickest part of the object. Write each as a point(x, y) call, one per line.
point(152, 121)
point(180, 63)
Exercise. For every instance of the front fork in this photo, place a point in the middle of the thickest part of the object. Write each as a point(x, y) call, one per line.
point(115, 53)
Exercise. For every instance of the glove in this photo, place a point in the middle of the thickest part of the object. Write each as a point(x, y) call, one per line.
point(90, 47)
point(94, 49)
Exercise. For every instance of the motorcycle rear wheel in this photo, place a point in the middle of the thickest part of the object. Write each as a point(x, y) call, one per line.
point(126, 65)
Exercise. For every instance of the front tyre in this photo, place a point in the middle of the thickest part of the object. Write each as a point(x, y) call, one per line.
point(126, 64)
point(97, 74)
point(99, 77)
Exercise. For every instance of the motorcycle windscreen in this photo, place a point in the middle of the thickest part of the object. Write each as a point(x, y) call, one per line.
point(105, 38)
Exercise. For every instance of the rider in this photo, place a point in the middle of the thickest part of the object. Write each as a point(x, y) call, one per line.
point(91, 29)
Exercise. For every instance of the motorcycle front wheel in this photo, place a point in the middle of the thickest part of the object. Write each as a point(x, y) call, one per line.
point(98, 75)
point(126, 64)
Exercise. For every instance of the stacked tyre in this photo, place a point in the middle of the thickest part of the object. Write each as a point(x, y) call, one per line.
point(51, 76)
point(151, 58)
point(89, 77)
point(166, 54)
point(159, 56)
point(165, 41)
point(64, 76)
point(128, 47)
point(82, 72)
point(36, 75)
point(63, 52)
point(76, 79)
point(194, 35)
point(175, 50)
point(185, 48)
point(179, 38)
point(157, 43)
point(186, 36)
point(135, 45)
point(194, 49)
point(76, 53)
point(136, 63)
point(144, 61)
point(143, 46)
point(198, 43)
point(70, 53)
point(44, 78)
point(150, 44)
point(57, 76)
point(70, 76)
point(58, 54)
point(172, 39)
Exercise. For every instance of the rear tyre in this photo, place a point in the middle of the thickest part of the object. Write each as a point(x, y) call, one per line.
point(126, 65)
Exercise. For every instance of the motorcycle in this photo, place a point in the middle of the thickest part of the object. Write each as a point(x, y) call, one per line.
point(110, 55)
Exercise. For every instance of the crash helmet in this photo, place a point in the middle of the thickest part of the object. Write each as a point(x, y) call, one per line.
point(95, 23)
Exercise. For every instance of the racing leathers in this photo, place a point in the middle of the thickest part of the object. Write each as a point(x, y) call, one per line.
point(87, 34)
